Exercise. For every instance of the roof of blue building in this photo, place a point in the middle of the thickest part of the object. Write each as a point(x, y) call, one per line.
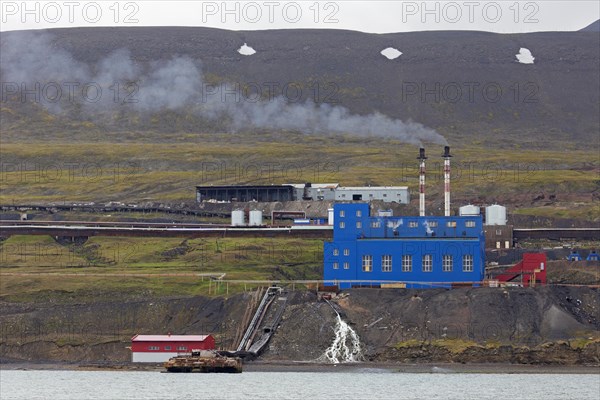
point(352, 220)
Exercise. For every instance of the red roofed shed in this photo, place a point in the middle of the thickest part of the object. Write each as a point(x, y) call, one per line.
point(159, 348)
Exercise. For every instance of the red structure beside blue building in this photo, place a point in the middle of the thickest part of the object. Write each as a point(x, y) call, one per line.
point(407, 251)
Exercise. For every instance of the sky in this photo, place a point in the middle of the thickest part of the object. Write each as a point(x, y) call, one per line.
point(502, 16)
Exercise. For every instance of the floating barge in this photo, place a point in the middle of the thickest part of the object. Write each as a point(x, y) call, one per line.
point(204, 362)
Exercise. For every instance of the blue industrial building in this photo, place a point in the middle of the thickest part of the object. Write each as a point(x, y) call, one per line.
point(403, 251)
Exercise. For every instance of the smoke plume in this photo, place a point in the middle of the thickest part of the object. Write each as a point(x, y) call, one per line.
point(178, 85)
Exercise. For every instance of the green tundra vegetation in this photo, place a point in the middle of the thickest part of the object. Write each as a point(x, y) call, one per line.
point(38, 268)
point(167, 170)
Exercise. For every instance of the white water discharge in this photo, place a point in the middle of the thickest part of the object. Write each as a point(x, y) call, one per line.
point(345, 346)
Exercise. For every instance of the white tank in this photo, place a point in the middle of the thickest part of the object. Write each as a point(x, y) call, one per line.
point(238, 218)
point(330, 216)
point(256, 218)
point(495, 215)
point(469, 210)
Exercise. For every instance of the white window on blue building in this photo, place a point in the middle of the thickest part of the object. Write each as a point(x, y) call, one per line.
point(467, 263)
point(342, 225)
point(451, 224)
point(407, 263)
point(470, 224)
point(367, 263)
point(336, 265)
point(336, 252)
point(386, 263)
point(346, 252)
point(427, 262)
point(342, 213)
point(346, 265)
point(358, 225)
point(358, 213)
point(413, 224)
point(375, 224)
point(433, 224)
point(447, 263)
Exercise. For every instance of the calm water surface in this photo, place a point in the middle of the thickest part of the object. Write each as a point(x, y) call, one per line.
point(360, 384)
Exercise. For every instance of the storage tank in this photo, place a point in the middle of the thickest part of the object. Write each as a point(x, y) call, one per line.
point(469, 209)
point(256, 218)
point(237, 218)
point(495, 215)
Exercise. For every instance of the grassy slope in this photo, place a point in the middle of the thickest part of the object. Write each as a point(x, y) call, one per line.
point(239, 259)
point(152, 171)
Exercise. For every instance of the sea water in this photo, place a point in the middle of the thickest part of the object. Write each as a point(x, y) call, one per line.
point(358, 384)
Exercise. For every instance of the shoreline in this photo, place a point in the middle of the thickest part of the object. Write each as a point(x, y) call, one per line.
point(303, 366)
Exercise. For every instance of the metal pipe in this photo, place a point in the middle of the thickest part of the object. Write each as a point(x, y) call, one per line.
point(422, 159)
point(446, 157)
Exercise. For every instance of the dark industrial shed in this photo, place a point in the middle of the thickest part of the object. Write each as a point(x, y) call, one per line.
point(262, 193)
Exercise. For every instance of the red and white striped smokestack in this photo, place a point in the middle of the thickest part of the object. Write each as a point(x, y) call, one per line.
point(422, 159)
point(446, 156)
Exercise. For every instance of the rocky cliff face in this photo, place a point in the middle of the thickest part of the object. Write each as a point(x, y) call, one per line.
point(543, 325)
point(460, 325)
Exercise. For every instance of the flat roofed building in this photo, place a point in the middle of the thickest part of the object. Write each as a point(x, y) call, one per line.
point(398, 194)
point(303, 191)
point(159, 348)
point(410, 251)
point(262, 193)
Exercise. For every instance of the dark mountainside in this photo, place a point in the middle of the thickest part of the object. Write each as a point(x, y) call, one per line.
point(543, 104)
point(593, 27)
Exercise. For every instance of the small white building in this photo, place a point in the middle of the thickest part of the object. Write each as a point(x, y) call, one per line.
point(388, 194)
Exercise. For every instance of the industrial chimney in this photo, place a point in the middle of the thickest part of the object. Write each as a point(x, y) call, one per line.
point(446, 156)
point(422, 159)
